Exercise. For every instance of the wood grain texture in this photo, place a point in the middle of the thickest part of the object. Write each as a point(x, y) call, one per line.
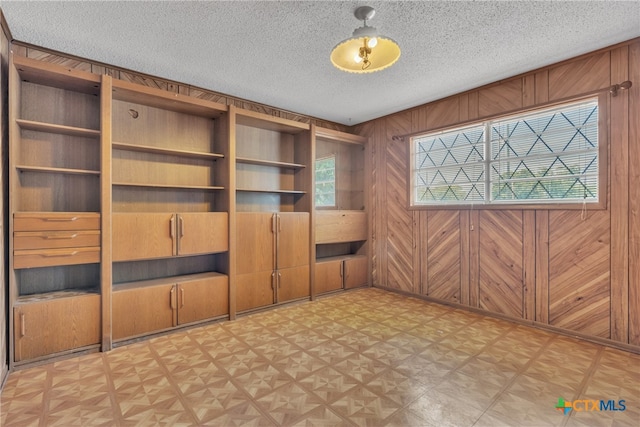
point(76, 321)
point(529, 263)
point(443, 113)
point(473, 105)
point(501, 262)
point(4, 226)
point(463, 100)
point(542, 266)
point(634, 195)
point(528, 90)
point(419, 118)
point(400, 221)
point(43, 55)
point(341, 226)
point(580, 76)
point(465, 256)
point(579, 275)
point(619, 198)
point(474, 258)
point(443, 256)
point(542, 86)
point(506, 96)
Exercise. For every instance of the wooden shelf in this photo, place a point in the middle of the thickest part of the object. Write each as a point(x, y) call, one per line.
point(157, 98)
point(65, 171)
point(260, 162)
point(54, 75)
point(247, 190)
point(170, 186)
point(59, 129)
point(166, 151)
point(164, 280)
point(48, 296)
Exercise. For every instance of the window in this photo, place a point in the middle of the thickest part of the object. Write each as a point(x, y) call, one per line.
point(326, 181)
point(547, 156)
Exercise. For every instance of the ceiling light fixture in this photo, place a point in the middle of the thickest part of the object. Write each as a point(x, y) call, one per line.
point(366, 51)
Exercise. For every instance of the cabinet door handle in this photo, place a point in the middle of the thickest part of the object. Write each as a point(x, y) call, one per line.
point(61, 236)
point(273, 223)
point(279, 279)
point(172, 227)
point(279, 224)
point(23, 326)
point(67, 219)
point(341, 269)
point(181, 222)
point(274, 287)
point(181, 297)
point(58, 254)
point(172, 298)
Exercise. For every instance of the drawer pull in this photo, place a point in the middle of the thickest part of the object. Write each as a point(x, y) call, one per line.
point(57, 255)
point(69, 219)
point(181, 297)
point(23, 326)
point(61, 236)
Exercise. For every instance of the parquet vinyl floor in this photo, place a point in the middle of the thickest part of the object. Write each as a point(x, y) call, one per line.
point(360, 358)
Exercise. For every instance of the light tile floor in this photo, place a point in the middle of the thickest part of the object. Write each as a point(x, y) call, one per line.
point(363, 358)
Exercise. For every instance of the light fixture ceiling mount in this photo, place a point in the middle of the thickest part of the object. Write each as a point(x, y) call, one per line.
point(365, 51)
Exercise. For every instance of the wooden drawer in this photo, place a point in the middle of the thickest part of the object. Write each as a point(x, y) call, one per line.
point(341, 226)
point(55, 239)
point(55, 221)
point(52, 257)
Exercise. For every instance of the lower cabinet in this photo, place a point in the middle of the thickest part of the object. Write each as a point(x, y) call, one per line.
point(340, 272)
point(328, 275)
point(149, 306)
point(355, 271)
point(55, 323)
point(255, 290)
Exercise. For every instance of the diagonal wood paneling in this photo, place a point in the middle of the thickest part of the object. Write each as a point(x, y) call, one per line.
point(577, 77)
point(443, 113)
point(400, 223)
point(497, 99)
point(443, 255)
point(634, 196)
point(579, 278)
point(501, 263)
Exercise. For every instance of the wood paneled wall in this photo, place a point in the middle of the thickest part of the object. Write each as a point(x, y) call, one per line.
point(552, 267)
point(4, 156)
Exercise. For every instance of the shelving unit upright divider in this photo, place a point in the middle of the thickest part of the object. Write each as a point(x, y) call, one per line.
point(106, 277)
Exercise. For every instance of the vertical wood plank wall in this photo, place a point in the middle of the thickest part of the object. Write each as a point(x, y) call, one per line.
point(4, 144)
point(551, 267)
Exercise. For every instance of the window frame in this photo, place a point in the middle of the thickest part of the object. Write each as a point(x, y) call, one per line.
point(335, 182)
point(603, 160)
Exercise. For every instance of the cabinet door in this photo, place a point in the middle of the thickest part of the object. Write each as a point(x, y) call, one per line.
point(56, 325)
point(202, 232)
point(328, 276)
point(293, 283)
point(143, 236)
point(203, 299)
point(293, 239)
point(355, 272)
point(255, 290)
point(255, 242)
point(139, 311)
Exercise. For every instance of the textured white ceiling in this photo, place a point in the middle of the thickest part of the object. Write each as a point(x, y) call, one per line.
point(277, 53)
